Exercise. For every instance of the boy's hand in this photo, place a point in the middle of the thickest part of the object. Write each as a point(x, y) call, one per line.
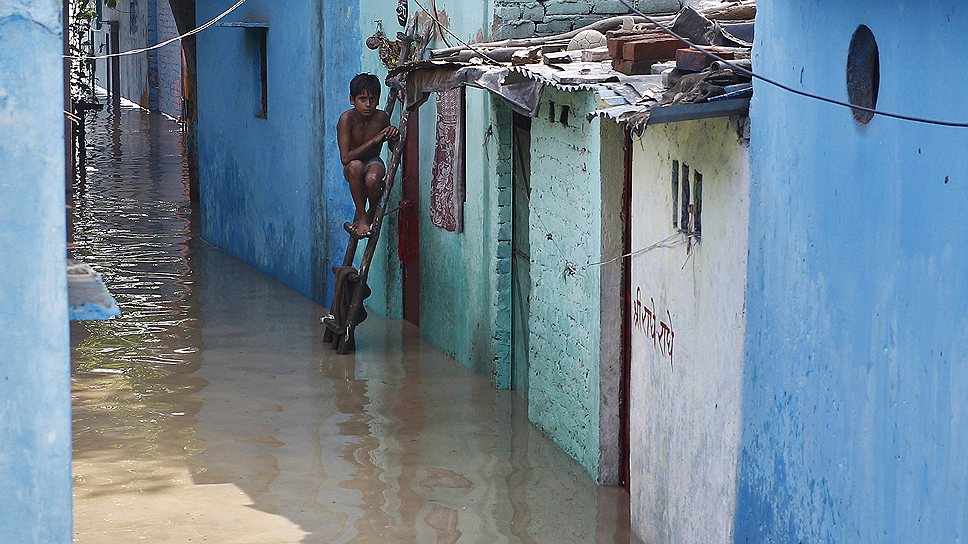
point(391, 133)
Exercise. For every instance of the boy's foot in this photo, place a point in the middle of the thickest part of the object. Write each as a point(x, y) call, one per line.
point(362, 228)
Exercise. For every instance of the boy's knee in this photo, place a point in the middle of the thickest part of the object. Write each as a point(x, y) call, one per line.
point(354, 169)
point(374, 178)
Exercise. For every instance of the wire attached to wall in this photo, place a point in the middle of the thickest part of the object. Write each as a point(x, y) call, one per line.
point(164, 43)
point(788, 88)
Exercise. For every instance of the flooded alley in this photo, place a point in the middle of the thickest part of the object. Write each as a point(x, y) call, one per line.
point(212, 411)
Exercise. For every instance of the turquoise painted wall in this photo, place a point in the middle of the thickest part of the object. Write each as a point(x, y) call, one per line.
point(272, 190)
point(465, 277)
point(35, 418)
point(854, 391)
point(565, 326)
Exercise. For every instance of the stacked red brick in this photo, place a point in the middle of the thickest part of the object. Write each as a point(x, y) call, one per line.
point(635, 54)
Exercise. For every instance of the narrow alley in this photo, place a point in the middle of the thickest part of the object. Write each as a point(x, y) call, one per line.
point(212, 411)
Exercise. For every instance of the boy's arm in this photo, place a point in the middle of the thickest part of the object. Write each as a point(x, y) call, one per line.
point(390, 134)
point(347, 155)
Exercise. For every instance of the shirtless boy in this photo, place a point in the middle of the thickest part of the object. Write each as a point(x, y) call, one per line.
point(361, 132)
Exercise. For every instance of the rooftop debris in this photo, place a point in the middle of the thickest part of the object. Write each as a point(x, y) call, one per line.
point(640, 69)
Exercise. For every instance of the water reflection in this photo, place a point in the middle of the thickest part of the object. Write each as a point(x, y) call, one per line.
point(212, 410)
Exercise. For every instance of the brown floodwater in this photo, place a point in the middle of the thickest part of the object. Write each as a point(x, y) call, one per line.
point(212, 411)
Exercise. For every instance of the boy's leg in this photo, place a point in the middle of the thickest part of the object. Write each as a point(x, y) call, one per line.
point(353, 172)
point(375, 172)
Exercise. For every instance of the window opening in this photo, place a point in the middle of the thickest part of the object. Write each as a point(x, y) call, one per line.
point(262, 107)
point(684, 218)
point(675, 194)
point(686, 199)
point(697, 203)
point(863, 73)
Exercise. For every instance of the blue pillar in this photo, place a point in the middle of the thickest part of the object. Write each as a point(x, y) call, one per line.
point(35, 423)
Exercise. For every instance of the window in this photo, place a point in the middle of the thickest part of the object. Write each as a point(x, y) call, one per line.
point(686, 199)
point(260, 67)
point(863, 73)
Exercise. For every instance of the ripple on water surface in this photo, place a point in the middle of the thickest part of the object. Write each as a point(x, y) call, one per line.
point(132, 221)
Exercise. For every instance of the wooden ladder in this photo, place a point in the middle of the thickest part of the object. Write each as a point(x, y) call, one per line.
point(350, 288)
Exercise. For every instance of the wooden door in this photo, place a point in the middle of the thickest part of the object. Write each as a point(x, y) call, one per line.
point(520, 255)
point(409, 222)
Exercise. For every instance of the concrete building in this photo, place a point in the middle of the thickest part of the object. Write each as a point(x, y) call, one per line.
point(688, 324)
point(154, 80)
point(496, 294)
point(35, 419)
point(853, 413)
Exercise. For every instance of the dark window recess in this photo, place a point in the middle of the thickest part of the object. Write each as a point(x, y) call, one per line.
point(262, 107)
point(551, 112)
point(675, 194)
point(697, 203)
point(564, 115)
point(686, 199)
point(684, 218)
point(863, 73)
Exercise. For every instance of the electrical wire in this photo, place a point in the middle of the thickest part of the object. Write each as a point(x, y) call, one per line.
point(788, 88)
point(670, 242)
point(433, 5)
point(456, 37)
point(164, 43)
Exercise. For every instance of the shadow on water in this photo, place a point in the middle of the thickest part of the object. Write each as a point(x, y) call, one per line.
point(212, 410)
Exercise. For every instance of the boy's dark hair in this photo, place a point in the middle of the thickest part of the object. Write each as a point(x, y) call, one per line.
point(365, 82)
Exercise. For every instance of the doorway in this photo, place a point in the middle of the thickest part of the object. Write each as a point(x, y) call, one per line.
point(520, 254)
point(409, 221)
point(626, 298)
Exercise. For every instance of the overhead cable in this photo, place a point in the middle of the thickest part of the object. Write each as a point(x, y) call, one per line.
point(788, 88)
point(164, 43)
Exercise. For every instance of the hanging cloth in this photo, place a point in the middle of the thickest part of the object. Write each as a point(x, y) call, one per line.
point(447, 183)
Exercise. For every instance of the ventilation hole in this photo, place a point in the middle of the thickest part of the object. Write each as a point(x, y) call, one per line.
point(863, 73)
point(675, 194)
point(697, 198)
point(684, 209)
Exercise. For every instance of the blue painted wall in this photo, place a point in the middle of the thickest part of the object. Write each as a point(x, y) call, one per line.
point(854, 391)
point(272, 190)
point(35, 422)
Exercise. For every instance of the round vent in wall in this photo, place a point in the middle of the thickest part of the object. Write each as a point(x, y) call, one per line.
point(863, 73)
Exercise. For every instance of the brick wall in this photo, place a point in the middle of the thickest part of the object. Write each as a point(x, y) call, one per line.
point(523, 18)
point(169, 74)
point(152, 80)
point(564, 320)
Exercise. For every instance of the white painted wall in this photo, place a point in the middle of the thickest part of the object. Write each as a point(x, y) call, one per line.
point(685, 410)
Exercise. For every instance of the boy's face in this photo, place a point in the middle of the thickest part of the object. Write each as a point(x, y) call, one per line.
point(365, 103)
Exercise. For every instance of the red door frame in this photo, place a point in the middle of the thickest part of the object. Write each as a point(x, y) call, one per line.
point(409, 221)
point(626, 313)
